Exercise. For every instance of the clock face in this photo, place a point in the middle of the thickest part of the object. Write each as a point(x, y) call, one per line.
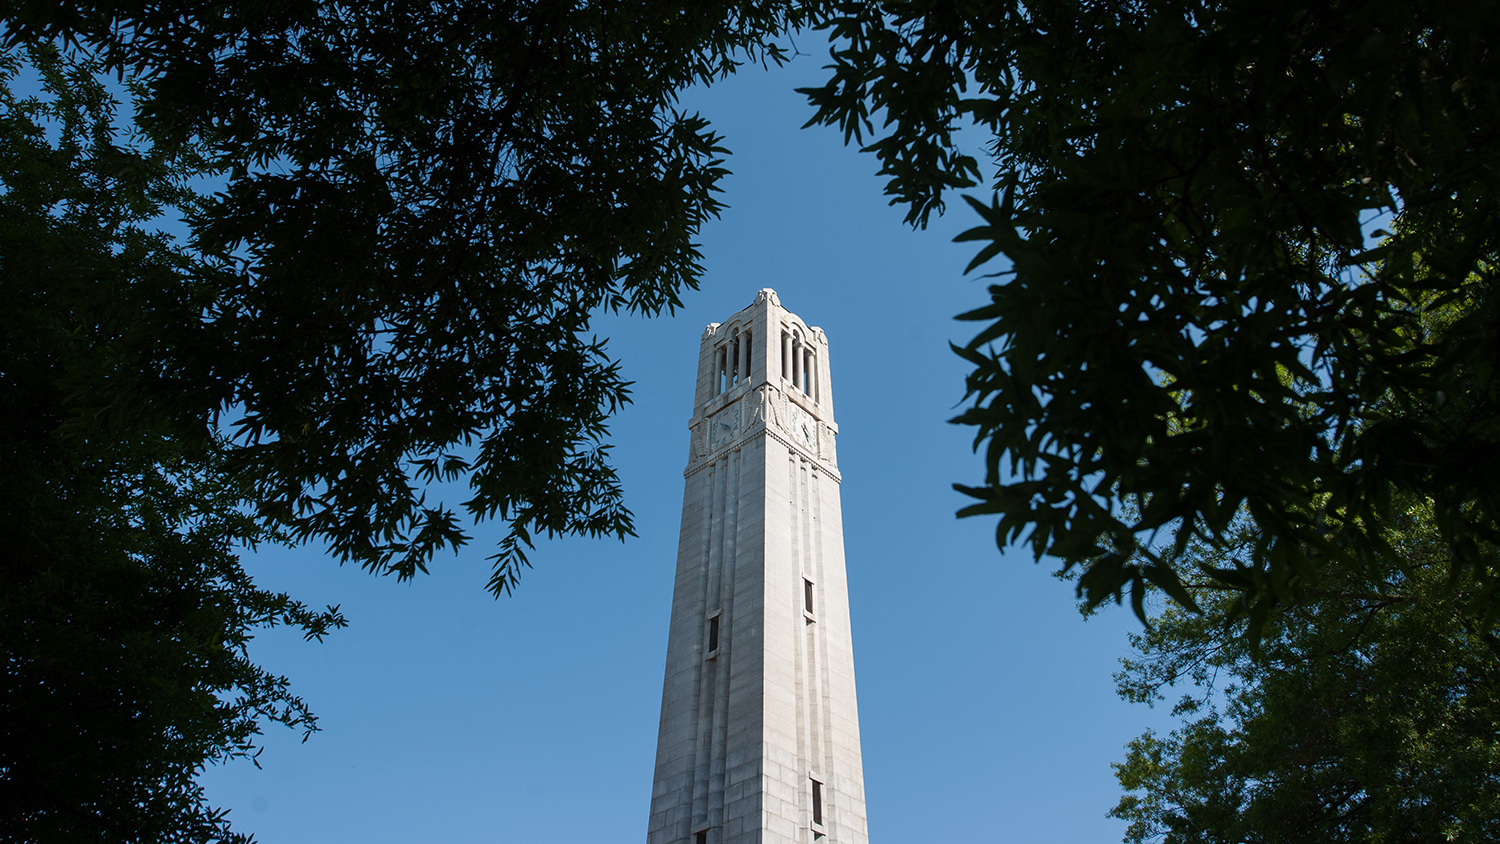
point(804, 428)
point(723, 426)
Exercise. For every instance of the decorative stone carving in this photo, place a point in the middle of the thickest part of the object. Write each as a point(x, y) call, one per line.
point(763, 408)
point(698, 443)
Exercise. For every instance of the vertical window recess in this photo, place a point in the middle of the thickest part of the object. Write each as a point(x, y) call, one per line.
point(700, 837)
point(817, 789)
point(713, 634)
point(807, 596)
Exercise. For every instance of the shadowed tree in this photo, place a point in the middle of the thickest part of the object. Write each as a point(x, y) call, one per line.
point(124, 613)
point(1186, 193)
point(1367, 713)
point(423, 204)
point(411, 212)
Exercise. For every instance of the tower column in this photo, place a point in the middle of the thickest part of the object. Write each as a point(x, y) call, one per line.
point(786, 356)
point(797, 355)
point(742, 342)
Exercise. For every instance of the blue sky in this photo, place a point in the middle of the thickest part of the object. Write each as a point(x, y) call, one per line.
point(987, 708)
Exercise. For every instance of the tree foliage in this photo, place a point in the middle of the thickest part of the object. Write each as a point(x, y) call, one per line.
point(1185, 195)
point(409, 213)
point(1368, 714)
point(425, 204)
point(124, 612)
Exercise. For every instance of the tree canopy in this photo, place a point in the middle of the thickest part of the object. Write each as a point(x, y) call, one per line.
point(1198, 316)
point(417, 208)
point(1241, 347)
point(124, 612)
point(1364, 715)
point(400, 219)
point(423, 206)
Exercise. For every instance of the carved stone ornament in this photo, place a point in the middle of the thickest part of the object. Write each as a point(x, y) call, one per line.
point(698, 448)
point(764, 407)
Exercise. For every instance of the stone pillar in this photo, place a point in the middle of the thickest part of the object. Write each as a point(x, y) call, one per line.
point(786, 356)
point(742, 368)
point(797, 363)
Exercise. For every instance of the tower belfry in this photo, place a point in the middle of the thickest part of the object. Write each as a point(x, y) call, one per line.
point(759, 739)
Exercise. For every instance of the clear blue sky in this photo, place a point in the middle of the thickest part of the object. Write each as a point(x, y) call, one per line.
point(987, 708)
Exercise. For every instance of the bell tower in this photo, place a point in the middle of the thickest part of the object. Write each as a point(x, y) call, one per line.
point(759, 737)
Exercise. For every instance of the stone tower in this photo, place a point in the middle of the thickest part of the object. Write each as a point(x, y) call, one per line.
point(759, 740)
